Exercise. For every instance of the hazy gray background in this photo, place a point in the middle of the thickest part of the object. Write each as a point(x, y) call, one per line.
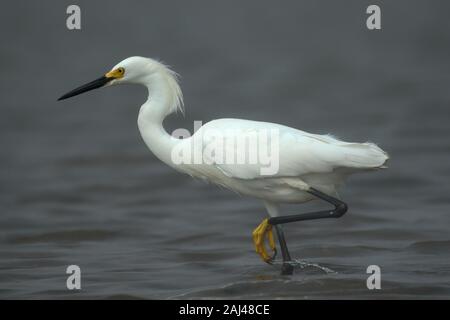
point(78, 186)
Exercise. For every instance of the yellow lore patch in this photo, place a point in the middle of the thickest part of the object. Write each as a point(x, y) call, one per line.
point(116, 73)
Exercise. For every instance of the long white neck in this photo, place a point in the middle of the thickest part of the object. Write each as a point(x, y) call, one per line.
point(164, 97)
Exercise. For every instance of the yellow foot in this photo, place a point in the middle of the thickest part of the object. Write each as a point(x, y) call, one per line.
point(259, 234)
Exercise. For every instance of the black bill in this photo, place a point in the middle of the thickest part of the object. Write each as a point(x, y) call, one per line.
point(100, 82)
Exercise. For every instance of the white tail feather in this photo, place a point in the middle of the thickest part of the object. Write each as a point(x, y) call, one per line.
point(364, 155)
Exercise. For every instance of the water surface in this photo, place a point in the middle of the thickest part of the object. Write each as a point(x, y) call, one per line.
point(78, 186)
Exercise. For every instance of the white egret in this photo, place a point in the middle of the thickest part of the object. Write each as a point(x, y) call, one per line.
point(309, 166)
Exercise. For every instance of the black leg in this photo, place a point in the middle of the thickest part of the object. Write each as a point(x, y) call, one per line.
point(286, 268)
point(340, 208)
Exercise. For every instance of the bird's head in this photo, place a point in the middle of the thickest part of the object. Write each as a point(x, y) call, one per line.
point(130, 70)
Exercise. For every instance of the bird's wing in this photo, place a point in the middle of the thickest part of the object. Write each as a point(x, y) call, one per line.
point(280, 151)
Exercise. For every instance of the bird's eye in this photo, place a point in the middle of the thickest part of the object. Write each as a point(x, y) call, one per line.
point(121, 70)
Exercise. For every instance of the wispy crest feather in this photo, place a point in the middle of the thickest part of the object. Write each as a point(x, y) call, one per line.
point(173, 81)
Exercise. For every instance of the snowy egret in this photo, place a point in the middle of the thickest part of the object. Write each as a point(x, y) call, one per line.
point(309, 166)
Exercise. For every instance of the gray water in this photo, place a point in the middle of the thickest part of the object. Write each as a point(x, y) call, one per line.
point(78, 186)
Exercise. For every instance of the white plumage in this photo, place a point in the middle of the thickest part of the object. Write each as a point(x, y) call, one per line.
point(306, 160)
point(318, 161)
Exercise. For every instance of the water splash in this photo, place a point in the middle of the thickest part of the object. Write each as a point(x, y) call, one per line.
point(297, 263)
